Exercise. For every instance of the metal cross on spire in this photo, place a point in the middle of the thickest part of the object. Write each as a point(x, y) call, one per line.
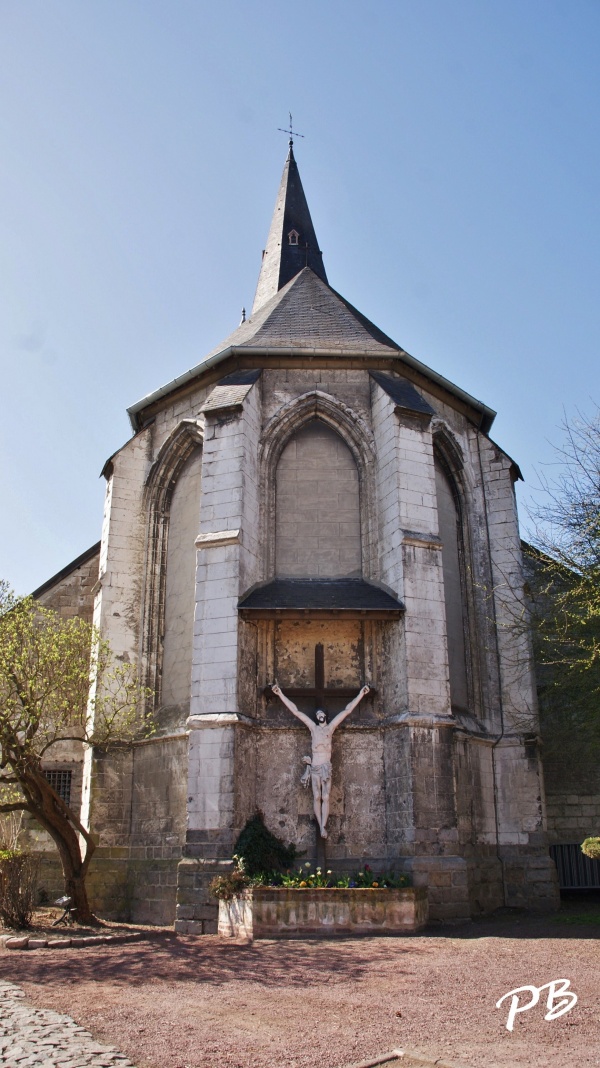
point(291, 132)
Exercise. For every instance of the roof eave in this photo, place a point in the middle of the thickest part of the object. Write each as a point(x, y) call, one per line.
point(321, 613)
point(487, 415)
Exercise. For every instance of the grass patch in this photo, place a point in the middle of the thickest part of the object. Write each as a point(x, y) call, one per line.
point(587, 919)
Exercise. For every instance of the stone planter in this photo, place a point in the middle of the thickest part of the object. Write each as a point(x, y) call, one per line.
point(269, 912)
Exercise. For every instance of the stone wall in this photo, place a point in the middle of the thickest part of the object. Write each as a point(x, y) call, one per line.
point(460, 801)
point(71, 591)
point(121, 884)
point(138, 818)
point(572, 817)
point(572, 799)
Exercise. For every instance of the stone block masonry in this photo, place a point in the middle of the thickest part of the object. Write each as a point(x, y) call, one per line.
point(197, 909)
point(124, 883)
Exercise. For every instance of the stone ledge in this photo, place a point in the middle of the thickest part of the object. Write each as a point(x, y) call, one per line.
point(208, 720)
point(217, 538)
point(195, 927)
point(14, 942)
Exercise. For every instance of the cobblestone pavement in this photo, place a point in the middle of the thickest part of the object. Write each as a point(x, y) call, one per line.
point(46, 1039)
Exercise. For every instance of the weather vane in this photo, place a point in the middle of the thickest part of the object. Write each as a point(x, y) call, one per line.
point(291, 132)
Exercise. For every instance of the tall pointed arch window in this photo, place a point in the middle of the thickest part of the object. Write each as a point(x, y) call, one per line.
point(179, 593)
point(453, 562)
point(318, 506)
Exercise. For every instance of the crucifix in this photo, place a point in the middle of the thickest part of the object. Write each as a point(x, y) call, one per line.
point(318, 765)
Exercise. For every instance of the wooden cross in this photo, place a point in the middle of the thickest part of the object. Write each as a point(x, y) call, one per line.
point(319, 692)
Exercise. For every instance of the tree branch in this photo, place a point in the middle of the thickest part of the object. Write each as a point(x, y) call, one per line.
point(62, 738)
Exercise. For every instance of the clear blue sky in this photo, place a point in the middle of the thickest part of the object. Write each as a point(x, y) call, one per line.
point(451, 164)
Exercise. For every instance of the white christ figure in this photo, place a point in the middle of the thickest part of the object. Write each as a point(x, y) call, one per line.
point(319, 763)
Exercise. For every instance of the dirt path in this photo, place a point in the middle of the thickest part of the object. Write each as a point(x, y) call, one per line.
point(203, 1003)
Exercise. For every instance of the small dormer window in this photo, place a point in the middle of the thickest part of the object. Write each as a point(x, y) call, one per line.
point(293, 237)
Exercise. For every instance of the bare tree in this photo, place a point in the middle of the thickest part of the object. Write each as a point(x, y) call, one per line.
point(564, 570)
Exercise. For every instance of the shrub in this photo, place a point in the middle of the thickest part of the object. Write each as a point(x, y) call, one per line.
point(227, 886)
point(591, 848)
point(18, 878)
point(261, 850)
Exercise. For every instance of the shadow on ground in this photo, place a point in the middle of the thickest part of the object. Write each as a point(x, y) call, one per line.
point(173, 958)
point(578, 917)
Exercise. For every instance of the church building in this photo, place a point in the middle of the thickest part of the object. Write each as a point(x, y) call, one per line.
point(312, 506)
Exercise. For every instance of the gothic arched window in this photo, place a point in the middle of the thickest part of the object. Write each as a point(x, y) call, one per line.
point(317, 530)
point(180, 583)
point(450, 527)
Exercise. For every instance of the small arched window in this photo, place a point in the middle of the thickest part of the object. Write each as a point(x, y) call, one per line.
point(293, 237)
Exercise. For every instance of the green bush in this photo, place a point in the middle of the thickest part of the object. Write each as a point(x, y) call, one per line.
point(261, 850)
point(591, 848)
point(18, 879)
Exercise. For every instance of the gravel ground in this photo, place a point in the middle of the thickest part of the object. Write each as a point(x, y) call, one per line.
point(204, 1003)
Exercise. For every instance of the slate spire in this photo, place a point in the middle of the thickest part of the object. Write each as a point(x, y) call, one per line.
point(292, 243)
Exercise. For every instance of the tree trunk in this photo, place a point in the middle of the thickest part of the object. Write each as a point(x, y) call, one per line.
point(53, 815)
point(75, 889)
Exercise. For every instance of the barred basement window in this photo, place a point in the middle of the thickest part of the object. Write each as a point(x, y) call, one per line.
point(61, 782)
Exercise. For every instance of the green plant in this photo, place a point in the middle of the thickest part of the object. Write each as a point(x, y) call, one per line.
point(591, 848)
point(10, 829)
point(227, 886)
point(367, 878)
point(18, 878)
point(262, 851)
point(45, 699)
point(304, 878)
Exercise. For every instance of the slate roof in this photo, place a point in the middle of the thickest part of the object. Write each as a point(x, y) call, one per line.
point(282, 260)
point(231, 391)
point(307, 314)
point(297, 313)
point(283, 596)
point(403, 393)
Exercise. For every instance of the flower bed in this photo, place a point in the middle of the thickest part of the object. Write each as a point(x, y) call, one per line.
point(283, 912)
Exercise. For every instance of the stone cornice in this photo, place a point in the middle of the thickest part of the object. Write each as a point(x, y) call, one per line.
point(216, 538)
point(212, 720)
